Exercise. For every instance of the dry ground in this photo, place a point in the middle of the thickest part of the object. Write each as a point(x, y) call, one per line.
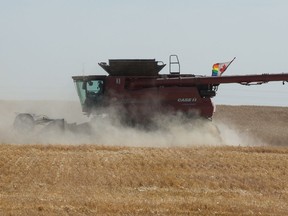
point(103, 180)
point(268, 124)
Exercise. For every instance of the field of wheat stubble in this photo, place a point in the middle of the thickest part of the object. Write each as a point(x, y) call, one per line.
point(91, 179)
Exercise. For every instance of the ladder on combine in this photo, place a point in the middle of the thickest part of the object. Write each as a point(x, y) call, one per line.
point(174, 65)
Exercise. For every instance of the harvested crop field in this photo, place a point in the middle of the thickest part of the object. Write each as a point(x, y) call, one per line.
point(99, 179)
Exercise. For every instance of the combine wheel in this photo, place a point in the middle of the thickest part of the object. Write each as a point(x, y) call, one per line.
point(24, 122)
point(209, 130)
point(214, 131)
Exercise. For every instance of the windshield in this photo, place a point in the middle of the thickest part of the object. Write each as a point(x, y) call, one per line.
point(80, 91)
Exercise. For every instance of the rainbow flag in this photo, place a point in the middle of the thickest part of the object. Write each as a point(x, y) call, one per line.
point(219, 68)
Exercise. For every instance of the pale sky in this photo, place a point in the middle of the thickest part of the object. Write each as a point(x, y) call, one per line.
point(44, 43)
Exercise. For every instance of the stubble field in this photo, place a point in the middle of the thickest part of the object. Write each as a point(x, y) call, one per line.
point(99, 179)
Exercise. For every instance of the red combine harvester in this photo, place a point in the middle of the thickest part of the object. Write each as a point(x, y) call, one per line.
point(139, 91)
point(136, 90)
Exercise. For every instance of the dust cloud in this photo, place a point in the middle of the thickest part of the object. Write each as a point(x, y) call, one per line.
point(107, 129)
